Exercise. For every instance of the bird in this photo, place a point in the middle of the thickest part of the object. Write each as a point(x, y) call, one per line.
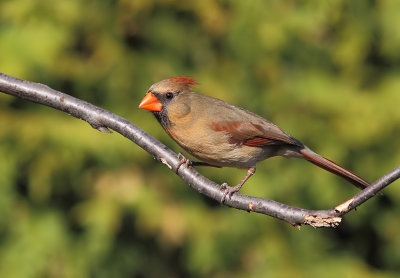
point(220, 134)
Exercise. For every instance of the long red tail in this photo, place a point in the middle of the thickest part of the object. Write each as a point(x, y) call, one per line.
point(333, 168)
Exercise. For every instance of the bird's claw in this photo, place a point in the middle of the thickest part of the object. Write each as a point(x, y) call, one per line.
point(183, 160)
point(228, 191)
point(224, 185)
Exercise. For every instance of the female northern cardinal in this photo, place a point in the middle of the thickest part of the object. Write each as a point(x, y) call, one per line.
point(221, 134)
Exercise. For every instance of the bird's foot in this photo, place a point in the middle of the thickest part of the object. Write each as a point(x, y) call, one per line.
point(183, 160)
point(228, 191)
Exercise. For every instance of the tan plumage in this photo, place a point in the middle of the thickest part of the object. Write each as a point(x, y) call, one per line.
point(222, 134)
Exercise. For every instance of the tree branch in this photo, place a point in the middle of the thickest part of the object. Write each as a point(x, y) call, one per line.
point(104, 120)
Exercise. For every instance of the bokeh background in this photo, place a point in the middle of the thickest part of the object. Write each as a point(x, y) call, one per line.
point(75, 202)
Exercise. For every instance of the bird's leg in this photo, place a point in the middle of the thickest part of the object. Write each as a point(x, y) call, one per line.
point(188, 162)
point(229, 190)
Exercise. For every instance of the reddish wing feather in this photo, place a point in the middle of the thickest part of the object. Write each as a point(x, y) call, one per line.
point(251, 134)
point(224, 126)
point(259, 141)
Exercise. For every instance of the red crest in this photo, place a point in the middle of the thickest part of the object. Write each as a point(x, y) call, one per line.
point(186, 81)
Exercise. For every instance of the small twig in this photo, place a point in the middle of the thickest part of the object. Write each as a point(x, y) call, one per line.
point(104, 120)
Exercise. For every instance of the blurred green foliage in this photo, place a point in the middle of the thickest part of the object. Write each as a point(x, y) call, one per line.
point(78, 203)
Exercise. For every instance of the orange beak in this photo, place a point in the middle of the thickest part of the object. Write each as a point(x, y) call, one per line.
point(151, 103)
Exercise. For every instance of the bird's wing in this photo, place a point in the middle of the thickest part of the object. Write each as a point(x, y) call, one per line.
point(250, 134)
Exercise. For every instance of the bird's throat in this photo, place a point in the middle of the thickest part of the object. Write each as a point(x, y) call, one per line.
point(162, 118)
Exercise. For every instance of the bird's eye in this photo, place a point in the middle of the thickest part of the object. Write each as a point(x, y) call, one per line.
point(169, 95)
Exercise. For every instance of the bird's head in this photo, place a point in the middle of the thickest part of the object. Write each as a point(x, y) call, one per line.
point(162, 93)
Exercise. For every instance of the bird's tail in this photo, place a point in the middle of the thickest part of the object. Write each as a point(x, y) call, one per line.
point(333, 168)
